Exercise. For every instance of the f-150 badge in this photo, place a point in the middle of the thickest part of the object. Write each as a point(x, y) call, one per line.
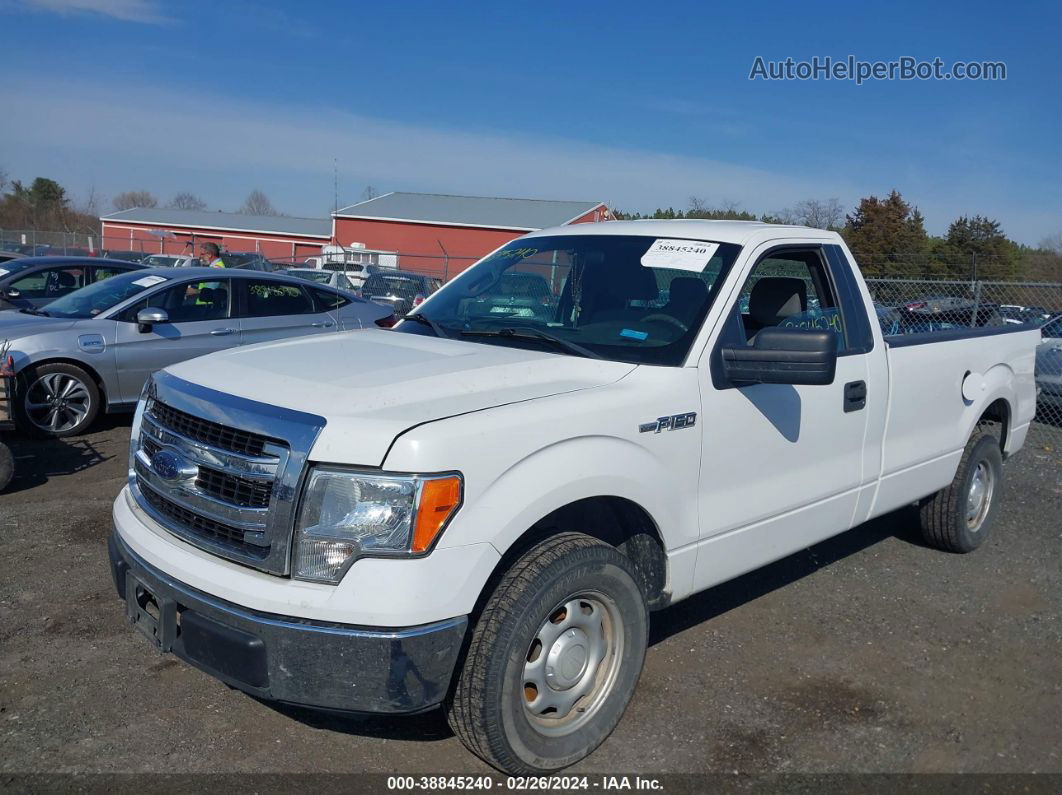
point(672, 423)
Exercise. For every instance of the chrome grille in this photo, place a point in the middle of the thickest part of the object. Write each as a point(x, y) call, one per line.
point(211, 433)
point(221, 472)
point(208, 528)
point(245, 492)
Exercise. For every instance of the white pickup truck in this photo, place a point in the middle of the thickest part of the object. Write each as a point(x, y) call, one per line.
point(479, 508)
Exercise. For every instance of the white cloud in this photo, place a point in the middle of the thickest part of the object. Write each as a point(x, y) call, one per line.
point(130, 135)
point(144, 11)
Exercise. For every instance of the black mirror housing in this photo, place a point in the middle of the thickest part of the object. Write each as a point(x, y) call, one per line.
point(783, 356)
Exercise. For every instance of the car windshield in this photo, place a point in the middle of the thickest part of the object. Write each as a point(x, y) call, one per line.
point(626, 298)
point(160, 260)
point(13, 266)
point(387, 284)
point(321, 277)
point(101, 296)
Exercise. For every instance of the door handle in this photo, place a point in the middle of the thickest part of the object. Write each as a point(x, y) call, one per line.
point(327, 324)
point(855, 395)
point(221, 332)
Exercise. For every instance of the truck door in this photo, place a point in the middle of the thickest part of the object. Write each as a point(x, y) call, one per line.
point(782, 465)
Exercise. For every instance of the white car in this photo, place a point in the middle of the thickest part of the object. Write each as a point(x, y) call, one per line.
point(331, 278)
point(1049, 365)
point(480, 507)
point(170, 261)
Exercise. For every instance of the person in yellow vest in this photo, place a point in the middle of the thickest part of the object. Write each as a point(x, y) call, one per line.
point(210, 255)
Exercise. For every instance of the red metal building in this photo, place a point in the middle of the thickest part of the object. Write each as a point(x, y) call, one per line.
point(432, 233)
point(164, 231)
point(442, 234)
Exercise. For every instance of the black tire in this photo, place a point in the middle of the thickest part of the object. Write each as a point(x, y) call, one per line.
point(949, 521)
point(489, 709)
point(32, 390)
point(7, 466)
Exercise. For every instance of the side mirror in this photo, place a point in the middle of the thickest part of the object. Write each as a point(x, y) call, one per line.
point(149, 317)
point(783, 356)
point(12, 292)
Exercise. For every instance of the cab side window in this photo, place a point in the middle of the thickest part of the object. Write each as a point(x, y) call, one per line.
point(188, 302)
point(270, 299)
point(50, 283)
point(790, 289)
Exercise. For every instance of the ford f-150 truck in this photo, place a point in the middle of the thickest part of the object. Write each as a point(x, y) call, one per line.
point(480, 508)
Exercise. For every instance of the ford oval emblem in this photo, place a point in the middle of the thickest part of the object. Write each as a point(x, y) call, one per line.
point(171, 466)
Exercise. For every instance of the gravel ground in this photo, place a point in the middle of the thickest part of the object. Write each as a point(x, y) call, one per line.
point(867, 653)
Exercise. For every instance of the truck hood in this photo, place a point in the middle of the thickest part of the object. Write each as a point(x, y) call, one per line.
point(372, 385)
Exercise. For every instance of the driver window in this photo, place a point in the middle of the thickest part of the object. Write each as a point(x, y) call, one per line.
point(51, 283)
point(789, 290)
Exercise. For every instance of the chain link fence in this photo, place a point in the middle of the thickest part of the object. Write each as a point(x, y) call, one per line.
point(907, 304)
point(907, 299)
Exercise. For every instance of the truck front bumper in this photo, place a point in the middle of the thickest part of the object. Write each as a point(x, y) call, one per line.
point(294, 660)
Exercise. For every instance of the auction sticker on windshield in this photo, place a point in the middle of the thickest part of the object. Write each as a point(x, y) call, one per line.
point(686, 255)
point(149, 281)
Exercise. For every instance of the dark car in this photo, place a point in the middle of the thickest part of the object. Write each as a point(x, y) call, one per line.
point(35, 281)
point(948, 312)
point(5, 256)
point(247, 260)
point(400, 290)
point(128, 256)
point(525, 295)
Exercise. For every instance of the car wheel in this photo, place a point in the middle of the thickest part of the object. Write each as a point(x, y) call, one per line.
point(959, 517)
point(7, 466)
point(554, 657)
point(57, 400)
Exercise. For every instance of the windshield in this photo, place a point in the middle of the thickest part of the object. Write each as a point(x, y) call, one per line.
point(627, 298)
point(101, 296)
point(321, 277)
point(160, 260)
point(12, 266)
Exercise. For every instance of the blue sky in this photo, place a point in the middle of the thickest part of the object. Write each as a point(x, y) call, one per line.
point(637, 104)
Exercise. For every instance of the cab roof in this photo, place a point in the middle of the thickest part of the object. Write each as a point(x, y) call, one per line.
point(739, 232)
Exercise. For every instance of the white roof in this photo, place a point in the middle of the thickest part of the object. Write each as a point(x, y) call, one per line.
point(740, 232)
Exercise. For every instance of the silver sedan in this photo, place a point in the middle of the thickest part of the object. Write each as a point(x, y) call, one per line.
point(94, 348)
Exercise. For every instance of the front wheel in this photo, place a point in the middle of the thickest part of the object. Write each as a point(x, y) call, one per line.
point(57, 400)
point(554, 657)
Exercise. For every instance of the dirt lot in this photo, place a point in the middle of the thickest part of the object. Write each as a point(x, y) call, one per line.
point(866, 653)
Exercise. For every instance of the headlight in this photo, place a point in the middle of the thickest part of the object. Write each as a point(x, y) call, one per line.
point(348, 515)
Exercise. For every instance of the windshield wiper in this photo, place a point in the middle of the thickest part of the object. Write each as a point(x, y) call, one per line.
point(32, 310)
point(534, 334)
point(427, 321)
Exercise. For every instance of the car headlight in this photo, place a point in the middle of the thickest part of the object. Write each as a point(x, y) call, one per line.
point(347, 515)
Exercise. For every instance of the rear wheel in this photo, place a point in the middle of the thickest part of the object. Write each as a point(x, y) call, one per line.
point(57, 400)
point(959, 517)
point(554, 657)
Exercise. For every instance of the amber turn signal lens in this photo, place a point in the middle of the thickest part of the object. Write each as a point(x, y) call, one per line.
point(439, 498)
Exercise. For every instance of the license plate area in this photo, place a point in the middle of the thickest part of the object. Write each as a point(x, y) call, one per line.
point(153, 615)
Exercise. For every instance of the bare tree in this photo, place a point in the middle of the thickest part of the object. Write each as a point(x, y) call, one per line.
point(3, 180)
point(819, 213)
point(257, 203)
point(134, 198)
point(1052, 243)
point(186, 201)
point(370, 192)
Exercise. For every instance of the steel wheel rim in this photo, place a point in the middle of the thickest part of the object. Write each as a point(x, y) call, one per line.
point(979, 496)
point(57, 402)
point(572, 663)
